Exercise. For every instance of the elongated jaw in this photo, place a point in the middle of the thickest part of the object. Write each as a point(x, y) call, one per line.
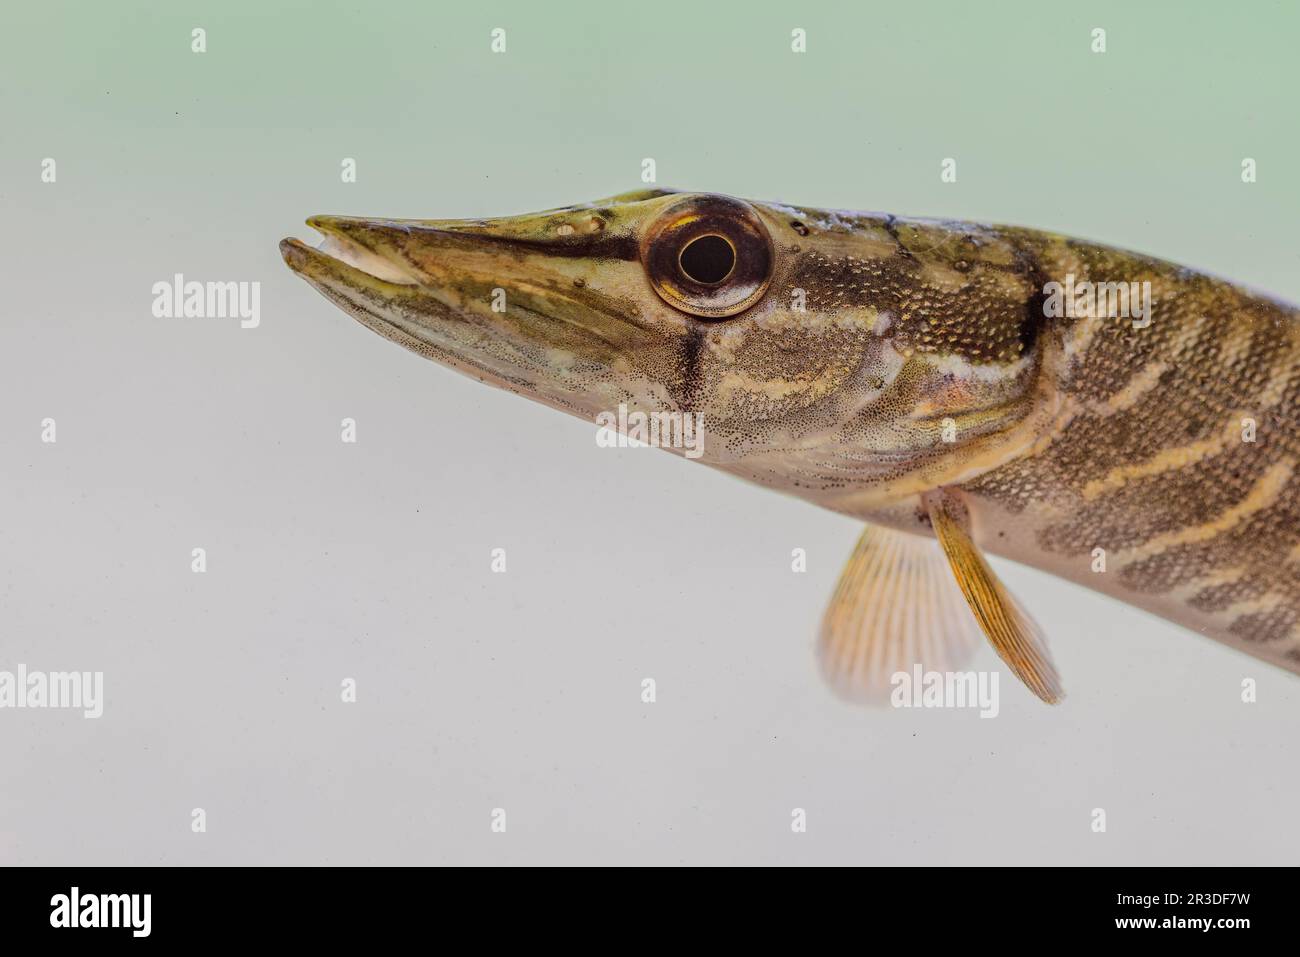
point(522, 303)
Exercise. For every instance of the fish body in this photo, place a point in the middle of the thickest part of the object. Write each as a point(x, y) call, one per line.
point(1119, 421)
point(1176, 450)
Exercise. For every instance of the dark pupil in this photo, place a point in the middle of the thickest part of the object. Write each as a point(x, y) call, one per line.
point(708, 259)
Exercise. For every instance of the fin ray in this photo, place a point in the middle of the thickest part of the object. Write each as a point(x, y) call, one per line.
point(1014, 635)
point(895, 606)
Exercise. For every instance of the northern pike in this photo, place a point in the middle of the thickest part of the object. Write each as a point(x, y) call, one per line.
point(1119, 421)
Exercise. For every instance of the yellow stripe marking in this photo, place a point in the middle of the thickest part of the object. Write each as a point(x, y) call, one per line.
point(1127, 397)
point(1250, 606)
point(1167, 460)
point(1219, 576)
point(1264, 493)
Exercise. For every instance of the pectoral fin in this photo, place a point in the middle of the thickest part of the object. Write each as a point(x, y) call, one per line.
point(895, 607)
point(1013, 634)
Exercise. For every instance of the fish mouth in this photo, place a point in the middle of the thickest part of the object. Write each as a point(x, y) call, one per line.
point(514, 302)
point(338, 249)
point(358, 267)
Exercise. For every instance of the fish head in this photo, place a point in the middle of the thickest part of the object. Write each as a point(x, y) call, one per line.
point(826, 355)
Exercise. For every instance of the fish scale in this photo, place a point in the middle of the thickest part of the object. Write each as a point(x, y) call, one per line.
point(1224, 355)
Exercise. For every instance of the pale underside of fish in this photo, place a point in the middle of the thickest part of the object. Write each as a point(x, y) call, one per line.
point(1118, 421)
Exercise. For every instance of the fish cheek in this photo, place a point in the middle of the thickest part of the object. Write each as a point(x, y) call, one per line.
point(770, 387)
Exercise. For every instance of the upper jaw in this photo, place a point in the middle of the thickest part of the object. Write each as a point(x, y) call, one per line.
point(340, 243)
point(434, 252)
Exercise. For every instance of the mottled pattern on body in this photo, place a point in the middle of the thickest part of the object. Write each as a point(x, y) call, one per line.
point(1154, 463)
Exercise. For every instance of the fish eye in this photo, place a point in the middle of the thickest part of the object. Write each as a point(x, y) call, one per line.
point(709, 256)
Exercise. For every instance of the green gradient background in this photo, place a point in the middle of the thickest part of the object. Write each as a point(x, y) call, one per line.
point(1139, 146)
point(520, 691)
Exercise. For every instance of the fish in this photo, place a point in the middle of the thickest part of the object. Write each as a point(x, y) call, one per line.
point(962, 389)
